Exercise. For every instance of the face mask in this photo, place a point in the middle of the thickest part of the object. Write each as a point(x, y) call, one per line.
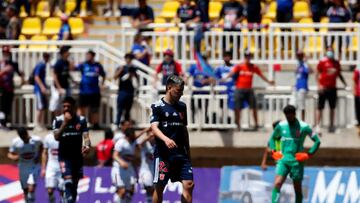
point(330, 54)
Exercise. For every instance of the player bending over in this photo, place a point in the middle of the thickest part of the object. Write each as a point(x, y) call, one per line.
point(291, 158)
point(172, 149)
point(26, 150)
point(50, 167)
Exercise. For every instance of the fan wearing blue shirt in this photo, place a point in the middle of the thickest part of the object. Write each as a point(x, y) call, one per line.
point(89, 87)
point(221, 72)
point(40, 90)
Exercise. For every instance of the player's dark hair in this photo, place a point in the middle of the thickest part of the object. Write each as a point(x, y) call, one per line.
point(69, 100)
point(276, 123)
point(129, 56)
point(46, 55)
point(174, 80)
point(129, 132)
point(289, 109)
point(22, 131)
point(64, 49)
point(227, 53)
point(109, 134)
point(92, 53)
point(123, 122)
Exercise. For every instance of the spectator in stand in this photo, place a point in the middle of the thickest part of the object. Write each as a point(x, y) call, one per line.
point(244, 87)
point(127, 76)
point(4, 21)
point(221, 72)
point(200, 79)
point(110, 11)
point(19, 3)
point(301, 87)
point(104, 149)
point(203, 7)
point(338, 13)
point(65, 29)
point(356, 90)
point(253, 11)
point(317, 9)
point(41, 91)
point(76, 11)
point(328, 70)
point(284, 11)
point(355, 10)
point(14, 26)
point(232, 14)
point(90, 95)
point(168, 67)
point(143, 16)
point(141, 50)
point(61, 76)
point(8, 68)
point(187, 13)
point(53, 4)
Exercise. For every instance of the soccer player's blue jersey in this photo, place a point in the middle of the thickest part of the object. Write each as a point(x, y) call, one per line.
point(71, 140)
point(172, 121)
point(90, 73)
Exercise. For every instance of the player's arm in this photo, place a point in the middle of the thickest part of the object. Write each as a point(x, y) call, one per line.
point(86, 143)
point(187, 141)
point(118, 72)
point(117, 157)
point(267, 151)
point(274, 136)
point(315, 138)
point(262, 76)
point(44, 159)
point(58, 129)
point(169, 142)
point(13, 156)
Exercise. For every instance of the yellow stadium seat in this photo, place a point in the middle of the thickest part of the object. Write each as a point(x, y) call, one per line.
point(42, 9)
point(51, 26)
point(354, 45)
point(77, 26)
point(31, 26)
point(23, 13)
point(214, 9)
point(22, 38)
point(306, 20)
point(164, 43)
point(266, 21)
point(54, 47)
point(69, 7)
point(301, 9)
point(169, 9)
point(159, 20)
point(38, 46)
point(314, 45)
point(324, 20)
point(271, 12)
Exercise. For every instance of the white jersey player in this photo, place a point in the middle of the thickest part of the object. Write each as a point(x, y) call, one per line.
point(26, 150)
point(146, 173)
point(51, 167)
point(123, 171)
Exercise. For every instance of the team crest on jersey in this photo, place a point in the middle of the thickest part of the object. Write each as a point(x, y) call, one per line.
point(162, 167)
point(182, 115)
point(78, 126)
point(174, 114)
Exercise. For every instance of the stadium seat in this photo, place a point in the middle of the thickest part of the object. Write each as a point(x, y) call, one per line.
point(69, 7)
point(169, 9)
point(301, 10)
point(214, 9)
point(31, 26)
point(77, 26)
point(314, 45)
point(324, 20)
point(51, 26)
point(159, 20)
point(271, 12)
point(353, 47)
point(23, 13)
point(54, 47)
point(42, 9)
point(306, 20)
point(22, 38)
point(38, 38)
point(164, 43)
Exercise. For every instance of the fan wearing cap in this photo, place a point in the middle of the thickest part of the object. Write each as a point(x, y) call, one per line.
point(301, 87)
point(244, 92)
point(8, 68)
point(168, 67)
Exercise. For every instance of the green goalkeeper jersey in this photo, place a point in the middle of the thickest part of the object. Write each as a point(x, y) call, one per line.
point(292, 138)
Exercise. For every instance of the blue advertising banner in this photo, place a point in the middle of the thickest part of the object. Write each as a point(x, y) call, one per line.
point(96, 187)
point(320, 185)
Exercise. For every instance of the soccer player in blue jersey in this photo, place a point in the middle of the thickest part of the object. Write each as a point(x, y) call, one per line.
point(172, 149)
point(74, 142)
point(90, 96)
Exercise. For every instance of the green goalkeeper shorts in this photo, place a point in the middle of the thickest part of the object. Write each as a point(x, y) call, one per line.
point(294, 168)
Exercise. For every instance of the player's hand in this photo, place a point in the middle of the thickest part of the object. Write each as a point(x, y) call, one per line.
point(85, 150)
point(43, 171)
point(272, 82)
point(263, 166)
point(170, 144)
point(302, 156)
point(67, 117)
point(124, 165)
point(61, 91)
point(276, 155)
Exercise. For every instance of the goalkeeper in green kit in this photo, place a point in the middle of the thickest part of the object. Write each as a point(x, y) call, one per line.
point(291, 157)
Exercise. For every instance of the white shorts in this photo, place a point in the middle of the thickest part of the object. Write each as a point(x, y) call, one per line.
point(53, 178)
point(146, 178)
point(300, 99)
point(29, 175)
point(55, 98)
point(123, 177)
